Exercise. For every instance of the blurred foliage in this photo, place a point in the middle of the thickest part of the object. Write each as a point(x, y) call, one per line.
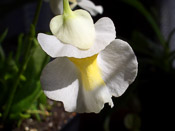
point(28, 94)
point(137, 109)
point(21, 95)
point(157, 52)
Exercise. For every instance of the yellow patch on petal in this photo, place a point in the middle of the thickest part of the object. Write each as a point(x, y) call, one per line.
point(90, 72)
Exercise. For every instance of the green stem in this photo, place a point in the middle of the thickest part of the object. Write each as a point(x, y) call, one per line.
point(38, 112)
point(37, 12)
point(24, 63)
point(19, 47)
point(67, 10)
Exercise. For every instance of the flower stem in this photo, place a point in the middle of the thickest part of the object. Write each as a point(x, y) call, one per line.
point(67, 10)
point(25, 61)
point(37, 12)
point(45, 113)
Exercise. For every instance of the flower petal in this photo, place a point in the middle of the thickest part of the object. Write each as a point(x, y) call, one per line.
point(77, 29)
point(119, 66)
point(105, 33)
point(93, 93)
point(65, 86)
point(59, 81)
point(94, 100)
point(56, 6)
point(91, 7)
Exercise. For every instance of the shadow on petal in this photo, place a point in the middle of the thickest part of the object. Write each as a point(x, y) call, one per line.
point(119, 65)
point(93, 101)
point(58, 74)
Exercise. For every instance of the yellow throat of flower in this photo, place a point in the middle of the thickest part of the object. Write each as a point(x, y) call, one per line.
point(90, 72)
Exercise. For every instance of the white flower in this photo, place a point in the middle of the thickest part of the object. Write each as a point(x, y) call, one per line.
point(74, 27)
point(85, 79)
point(115, 65)
point(57, 6)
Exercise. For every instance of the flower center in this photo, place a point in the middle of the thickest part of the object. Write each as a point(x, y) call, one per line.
point(90, 72)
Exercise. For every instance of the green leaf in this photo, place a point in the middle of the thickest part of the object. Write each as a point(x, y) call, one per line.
point(42, 107)
point(33, 93)
point(8, 73)
point(38, 58)
point(2, 54)
point(139, 6)
point(22, 77)
point(12, 67)
point(34, 110)
point(19, 116)
point(20, 45)
point(24, 116)
point(32, 31)
point(38, 117)
point(3, 92)
point(43, 99)
point(2, 37)
point(30, 90)
point(38, 61)
point(9, 68)
point(144, 45)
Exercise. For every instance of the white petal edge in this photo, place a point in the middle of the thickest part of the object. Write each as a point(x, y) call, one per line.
point(105, 34)
point(91, 7)
point(59, 81)
point(93, 101)
point(119, 66)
